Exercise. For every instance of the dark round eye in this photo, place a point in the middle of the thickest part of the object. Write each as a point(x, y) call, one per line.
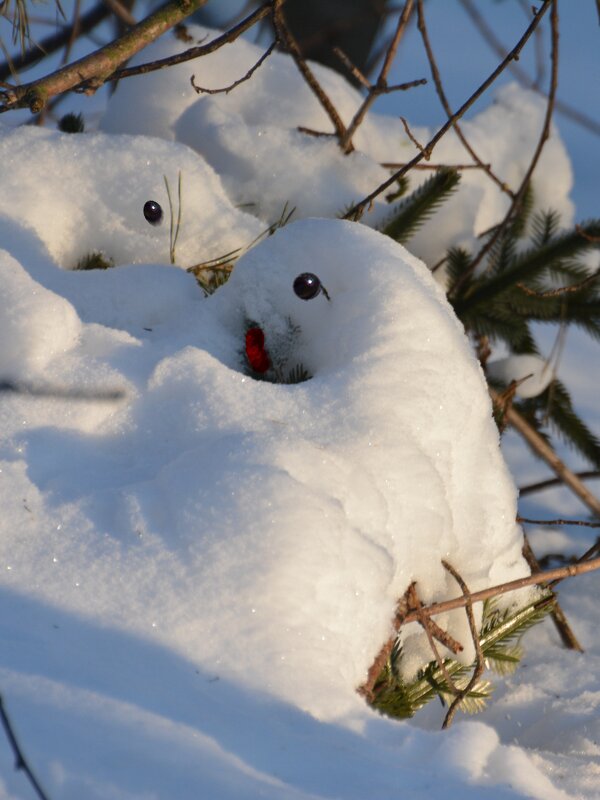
point(307, 286)
point(153, 212)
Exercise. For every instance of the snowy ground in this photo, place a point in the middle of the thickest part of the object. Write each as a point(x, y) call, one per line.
point(197, 575)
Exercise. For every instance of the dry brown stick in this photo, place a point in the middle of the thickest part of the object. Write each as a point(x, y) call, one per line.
point(247, 76)
point(531, 488)
point(583, 522)
point(543, 138)
point(543, 449)
point(479, 658)
point(287, 39)
point(398, 164)
point(380, 86)
point(415, 602)
point(548, 576)
point(489, 36)
point(437, 80)
point(358, 209)
point(558, 615)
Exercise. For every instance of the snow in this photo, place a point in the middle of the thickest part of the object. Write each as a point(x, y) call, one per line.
point(267, 164)
point(197, 576)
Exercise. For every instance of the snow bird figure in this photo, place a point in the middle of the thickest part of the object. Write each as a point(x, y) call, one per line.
point(360, 480)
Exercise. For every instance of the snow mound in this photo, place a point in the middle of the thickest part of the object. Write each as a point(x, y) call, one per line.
point(267, 530)
point(251, 138)
point(93, 191)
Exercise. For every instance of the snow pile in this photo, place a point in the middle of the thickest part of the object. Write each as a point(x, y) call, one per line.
point(268, 529)
point(251, 137)
point(93, 190)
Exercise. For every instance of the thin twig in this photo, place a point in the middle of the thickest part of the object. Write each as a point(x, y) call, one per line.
point(291, 45)
point(479, 658)
point(489, 36)
point(247, 76)
point(531, 488)
point(398, 164)
point(20, 760)
point(584, 523)
point(415, 602)
point(437, 80)
point(357, 210)
point(380, 86)
point(426, 152)
point(89, 73)
point(558, 616)
point(200, 50)
point(573, 287)
point(121, 12)
point(560, 573)
point(543, 449)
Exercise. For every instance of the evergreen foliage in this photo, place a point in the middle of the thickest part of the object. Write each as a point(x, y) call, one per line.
point(408, 216)
point(499, 637)
point(72, 123)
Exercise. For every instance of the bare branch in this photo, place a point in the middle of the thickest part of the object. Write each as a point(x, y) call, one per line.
point(357, 210)
point(559, 617)
point(287, 38)
point(582, 522)
point(92, 71)
point(247, 76)
point(479, 659)
point(437, 80)
point(380, 86)
point(543, 449)
point(551, 482)
point(560, 573)
point(50, 44)
point(490, 37)
point(198, 51)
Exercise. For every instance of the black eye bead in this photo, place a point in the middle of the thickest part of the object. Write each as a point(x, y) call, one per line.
point(307, 286)
point(153, 212)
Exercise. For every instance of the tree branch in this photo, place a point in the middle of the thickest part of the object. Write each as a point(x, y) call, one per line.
point(90, 72)
point(357, 210)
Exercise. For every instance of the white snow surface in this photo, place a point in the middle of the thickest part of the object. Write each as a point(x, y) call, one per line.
point(196, 577)
point(250, 136)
